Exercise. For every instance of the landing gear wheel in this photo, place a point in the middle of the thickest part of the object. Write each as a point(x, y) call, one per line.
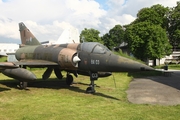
point(90, 90)
point(23, 85)
point(69, 80)
point(93, 77)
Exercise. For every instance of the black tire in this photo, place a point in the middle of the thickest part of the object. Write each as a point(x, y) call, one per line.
point(69, 80)
point(23, 85)
point(90, 90)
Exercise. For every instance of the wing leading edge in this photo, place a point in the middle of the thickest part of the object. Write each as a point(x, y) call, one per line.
point(7, 65)
point(36, 63)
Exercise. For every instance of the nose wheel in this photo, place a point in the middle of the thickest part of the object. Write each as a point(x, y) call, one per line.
point(93, 77)
point(91, 89)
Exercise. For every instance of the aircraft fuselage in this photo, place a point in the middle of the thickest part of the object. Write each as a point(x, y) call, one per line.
point(93, 57)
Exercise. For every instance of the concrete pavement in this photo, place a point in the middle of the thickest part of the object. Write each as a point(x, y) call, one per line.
point(162, 90)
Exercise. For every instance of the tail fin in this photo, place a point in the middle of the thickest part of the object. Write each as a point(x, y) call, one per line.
point(27, 38)
point(69, 35)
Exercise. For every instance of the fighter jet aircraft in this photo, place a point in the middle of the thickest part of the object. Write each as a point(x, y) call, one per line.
point(88, 58)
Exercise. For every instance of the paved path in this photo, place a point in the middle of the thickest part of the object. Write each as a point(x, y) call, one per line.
point(163, 90)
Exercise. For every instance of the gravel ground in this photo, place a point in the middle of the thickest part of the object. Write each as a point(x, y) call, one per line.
point(162, 90)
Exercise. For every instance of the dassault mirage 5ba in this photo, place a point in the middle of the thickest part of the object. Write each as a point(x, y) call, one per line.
point(88, 58)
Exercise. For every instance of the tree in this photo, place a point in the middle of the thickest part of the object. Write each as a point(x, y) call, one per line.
point(156, 14)
point(147, 41)
point(114, 37)
point(174, 26)
point(146, 36)
point(107, 40)
point(90, 35)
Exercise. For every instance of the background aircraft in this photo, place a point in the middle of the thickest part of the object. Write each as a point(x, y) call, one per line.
point(88, 58)
point(69, 35)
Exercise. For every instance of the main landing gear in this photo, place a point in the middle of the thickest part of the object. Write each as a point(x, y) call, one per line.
point(23, 85)
point(69, 79)
point(93, 77)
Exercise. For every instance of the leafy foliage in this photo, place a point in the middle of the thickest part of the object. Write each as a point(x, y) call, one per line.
point(146, 36)
point(174, 28)
point(157, 15)
point(147, 40)
point(114, 37)
point(90, 35)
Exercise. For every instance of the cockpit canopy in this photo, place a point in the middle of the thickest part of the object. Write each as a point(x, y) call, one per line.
point(94, 47)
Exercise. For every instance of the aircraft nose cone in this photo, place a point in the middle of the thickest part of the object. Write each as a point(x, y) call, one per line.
point(122, 64)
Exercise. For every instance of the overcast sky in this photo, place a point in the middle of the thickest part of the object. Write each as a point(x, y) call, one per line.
point(47, 18)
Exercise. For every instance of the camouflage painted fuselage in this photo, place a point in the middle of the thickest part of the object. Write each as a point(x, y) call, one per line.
point(93, 57)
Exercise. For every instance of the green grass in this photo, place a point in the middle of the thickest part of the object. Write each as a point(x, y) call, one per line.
point(174, 66)
point(53, 100)
point(3, 59)
point(170, 66)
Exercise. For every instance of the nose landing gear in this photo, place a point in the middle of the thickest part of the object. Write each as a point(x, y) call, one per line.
point(93, 77)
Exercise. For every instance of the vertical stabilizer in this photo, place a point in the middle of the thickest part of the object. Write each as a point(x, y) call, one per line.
point(69, 35)
point(27, 38)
